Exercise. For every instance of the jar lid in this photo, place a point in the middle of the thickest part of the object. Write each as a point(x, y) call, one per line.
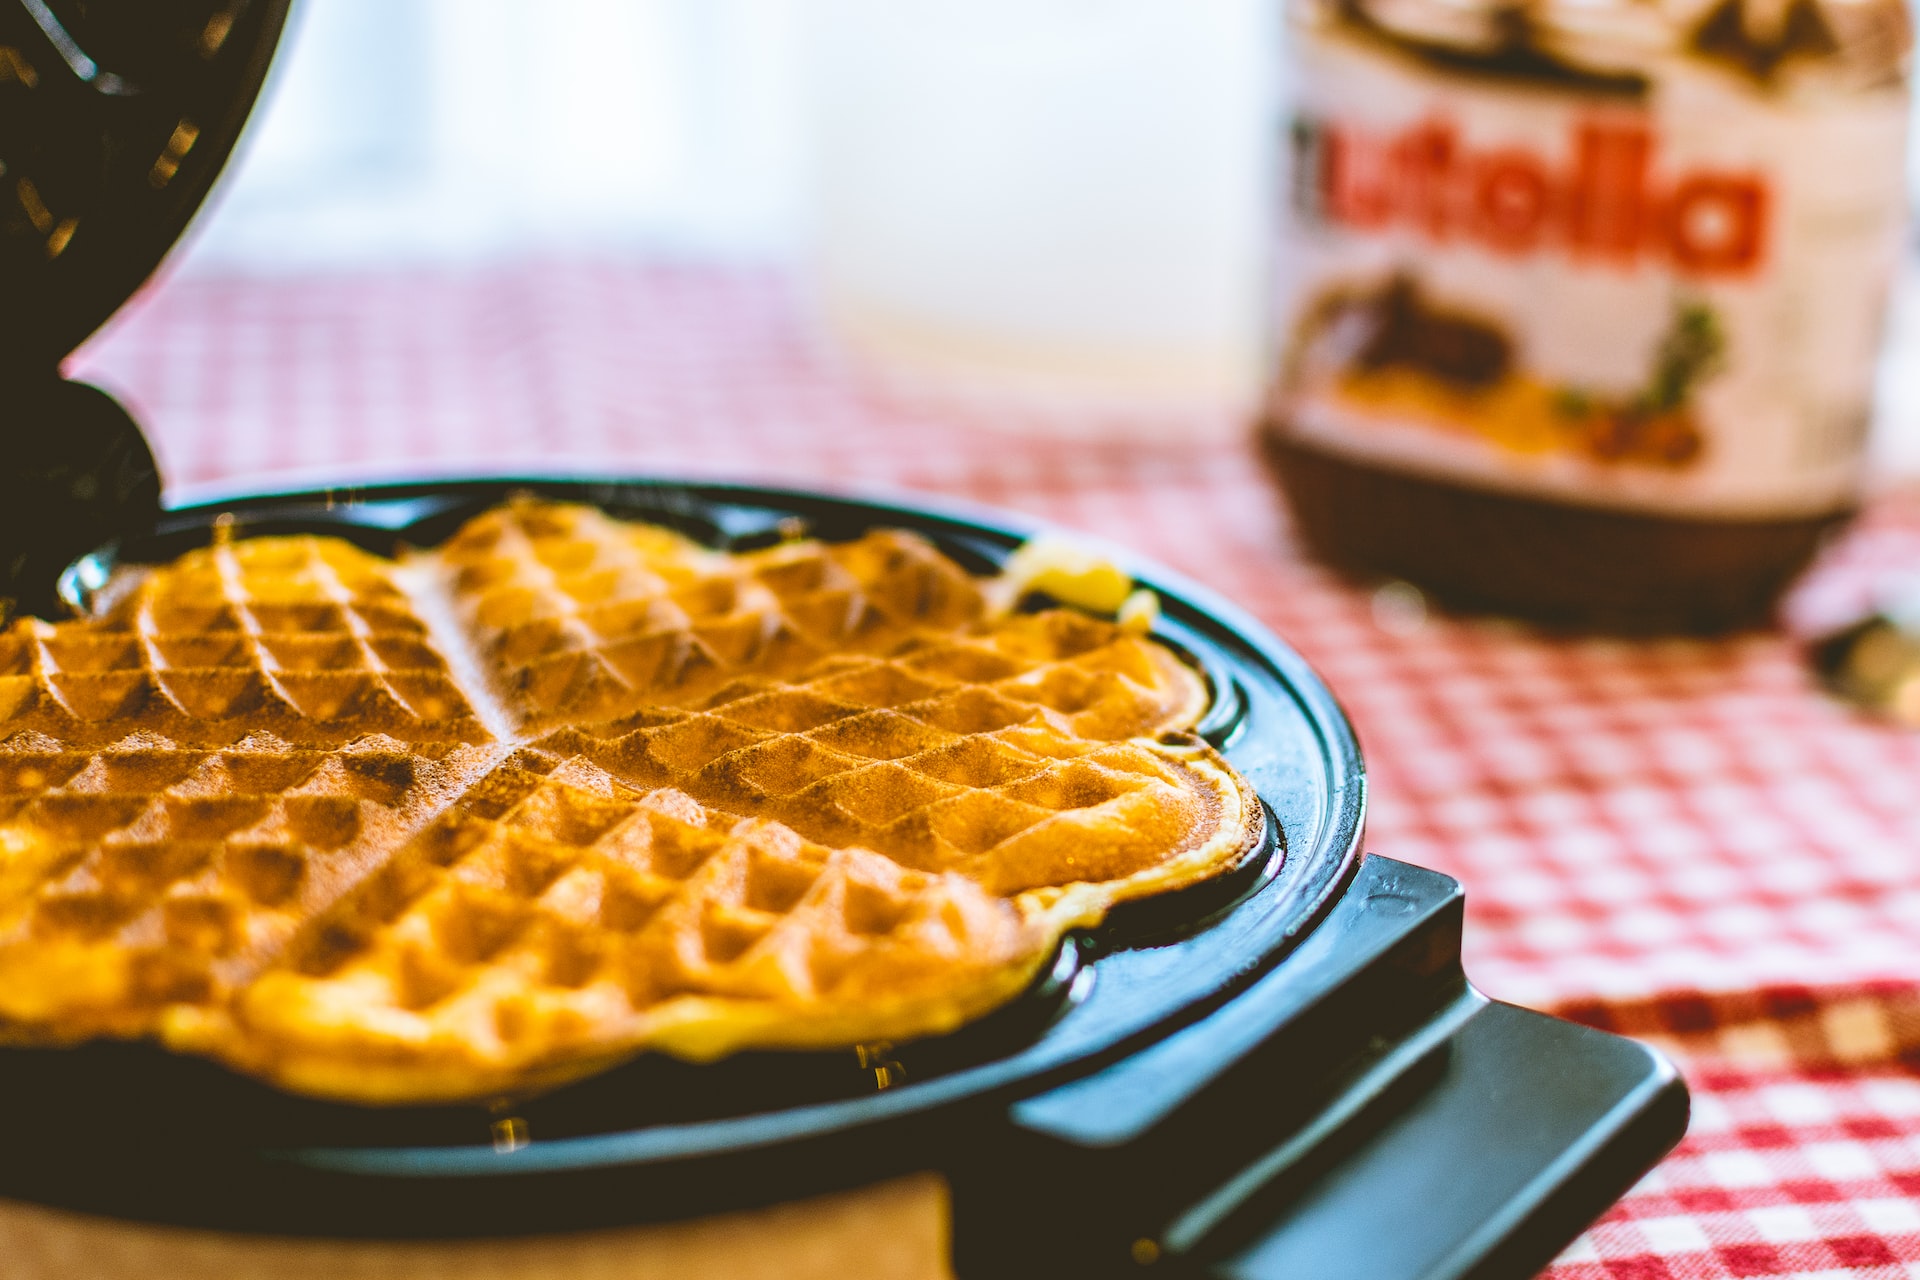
point(1775, 46)
point(1804, 45)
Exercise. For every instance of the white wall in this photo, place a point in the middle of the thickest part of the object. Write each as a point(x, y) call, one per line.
point(437, 129)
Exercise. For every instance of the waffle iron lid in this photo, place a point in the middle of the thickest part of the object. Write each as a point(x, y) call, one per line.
point(116, 118)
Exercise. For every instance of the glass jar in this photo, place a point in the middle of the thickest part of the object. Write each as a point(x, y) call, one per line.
point(1580, 301)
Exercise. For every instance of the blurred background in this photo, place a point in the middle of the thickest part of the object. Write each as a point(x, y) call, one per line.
point(1059, 199)
point(1063, 201)
point(1056, 206)
point(466, 130)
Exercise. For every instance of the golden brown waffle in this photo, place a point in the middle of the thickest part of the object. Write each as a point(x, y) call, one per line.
point(556, 920)
point(998, 755)
point(581, 617)
point(496, 815)
point(144, 874)
point(306, 638)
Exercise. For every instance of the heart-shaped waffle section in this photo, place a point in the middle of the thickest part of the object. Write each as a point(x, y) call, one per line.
point(142, 875)
point(493, 816)
point(309, 639)
point(582, 617)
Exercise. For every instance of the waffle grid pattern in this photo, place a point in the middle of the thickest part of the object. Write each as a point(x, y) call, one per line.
point(167, 874)
point(297, 637)
point(558, 906)
point(914, 759)
point(585, 617)
point(1000, 782)
point(1681, 837)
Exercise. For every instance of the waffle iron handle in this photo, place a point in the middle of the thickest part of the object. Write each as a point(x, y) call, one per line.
point(78, 475)
point(1105, 1166)
point(1359, 1113)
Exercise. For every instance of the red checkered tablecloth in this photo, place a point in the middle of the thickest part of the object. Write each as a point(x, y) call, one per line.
point(1680, 840)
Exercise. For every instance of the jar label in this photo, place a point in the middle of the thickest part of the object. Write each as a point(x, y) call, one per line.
point(1663, 293)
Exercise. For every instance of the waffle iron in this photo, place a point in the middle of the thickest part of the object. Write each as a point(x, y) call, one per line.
point(1284, 1073)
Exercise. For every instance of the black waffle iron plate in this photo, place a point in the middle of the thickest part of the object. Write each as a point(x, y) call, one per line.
point(1281, 1074)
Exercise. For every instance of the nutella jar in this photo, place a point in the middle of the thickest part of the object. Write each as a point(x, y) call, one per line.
point(1580, 301)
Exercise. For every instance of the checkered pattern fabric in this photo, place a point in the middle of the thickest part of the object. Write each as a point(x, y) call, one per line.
point(1679, 840)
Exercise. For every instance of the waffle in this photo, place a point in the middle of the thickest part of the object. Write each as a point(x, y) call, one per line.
point(489, 817)
point(556, 921)
point(993, 755)
point(306, 638)
point(144, 874)
point(583, 617)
